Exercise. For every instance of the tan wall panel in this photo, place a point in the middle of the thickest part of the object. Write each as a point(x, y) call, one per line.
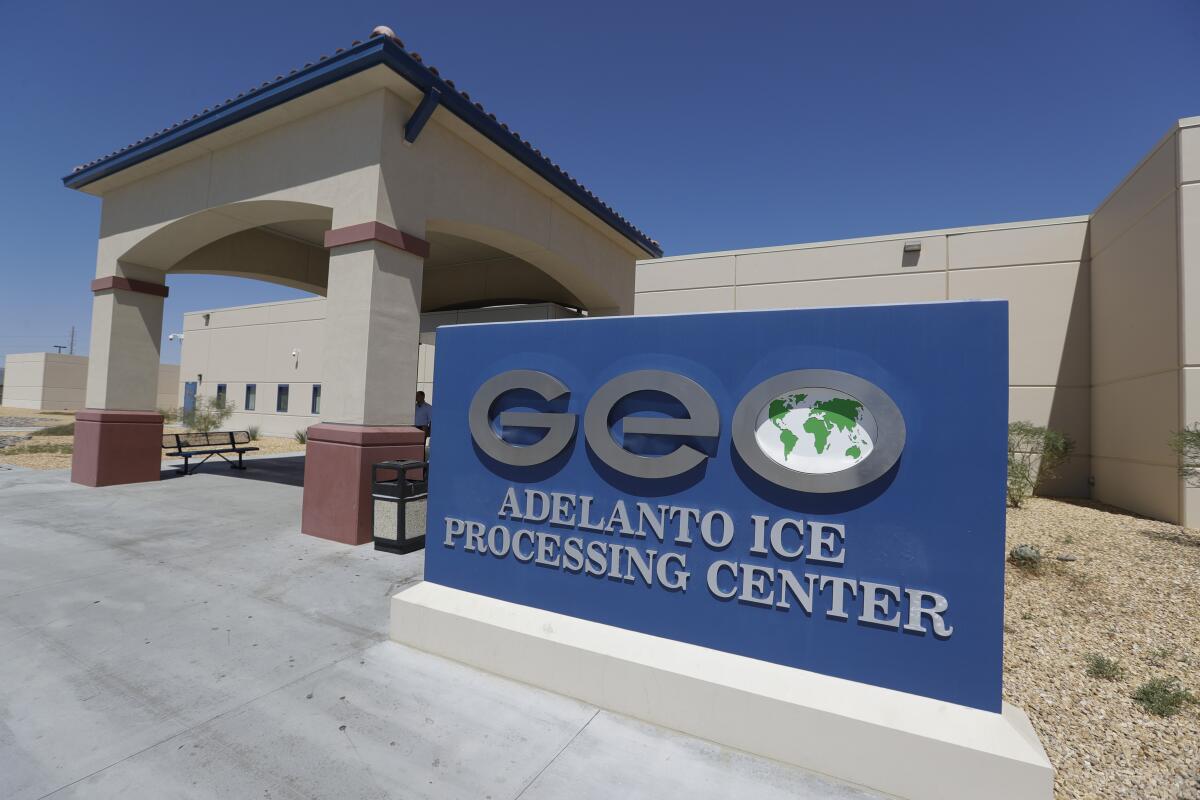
point(691, 273)
point(238, 354)
point(1135, 298)
point(1189, 251)
point(22, 396)
point(239, 317)
point(685, 301)
point(1191, 416)
point(425, 360)
point(1189, 155)
point(298, 310)
point(269, 423)
point(307, 339)
point(1134, 419)
point(1142, 191)
point(914, 288)
point(839, 261)
point(193, 355)
point(1067, 410)
point(65, 372)
point(23, 380)
point(1048, 324)
point(1148, 489)
point(1036, 244)
point(23, 371)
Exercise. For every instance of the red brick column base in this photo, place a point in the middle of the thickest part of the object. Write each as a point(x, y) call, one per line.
point(337, 476)
point(113, 447)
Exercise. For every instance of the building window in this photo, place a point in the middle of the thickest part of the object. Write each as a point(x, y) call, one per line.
point(316, 401)
point(221, 394)
point(251, 395)
point(281, 399)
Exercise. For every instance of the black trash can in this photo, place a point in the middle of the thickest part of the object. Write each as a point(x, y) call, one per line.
point(399, 490)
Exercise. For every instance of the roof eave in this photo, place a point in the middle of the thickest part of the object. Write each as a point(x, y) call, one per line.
point(378, 50)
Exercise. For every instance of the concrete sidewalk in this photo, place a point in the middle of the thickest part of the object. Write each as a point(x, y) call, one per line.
point(182, 639)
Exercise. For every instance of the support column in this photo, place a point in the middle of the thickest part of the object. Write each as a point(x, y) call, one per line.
point(372, 324)
point(118, 435)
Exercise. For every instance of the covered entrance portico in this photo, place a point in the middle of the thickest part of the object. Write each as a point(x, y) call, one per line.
point(364, 177)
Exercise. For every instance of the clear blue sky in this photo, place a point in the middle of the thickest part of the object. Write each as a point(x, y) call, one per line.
point(710, 126)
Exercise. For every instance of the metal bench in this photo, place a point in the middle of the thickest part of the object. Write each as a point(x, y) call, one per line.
point(214, 443)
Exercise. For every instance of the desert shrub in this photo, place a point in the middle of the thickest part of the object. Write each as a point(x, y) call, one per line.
point(1035, 454)
point(169, 415)
point(253, 430)
point(66, 429)
point(1102, 667)
point(1186, 444)
point(208, 414)
point(1163, 697)
point(1025, 555)
point(302, 436)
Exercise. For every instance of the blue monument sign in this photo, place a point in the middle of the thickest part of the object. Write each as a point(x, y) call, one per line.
point(820, 488)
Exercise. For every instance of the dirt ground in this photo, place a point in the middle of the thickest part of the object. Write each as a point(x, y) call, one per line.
point(1130, 595)
point(18, 454)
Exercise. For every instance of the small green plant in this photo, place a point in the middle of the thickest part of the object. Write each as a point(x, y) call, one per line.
point(1163, 697)
point(1186, 444)
point(253, 430)
point(1103, 668)
point(169, 415)
point(208, 414)
point(1035, 454)
point(302, 436)
point(1026, 556)
point(66, 429)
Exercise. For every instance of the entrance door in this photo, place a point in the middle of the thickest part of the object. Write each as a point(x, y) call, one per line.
point(189, 396)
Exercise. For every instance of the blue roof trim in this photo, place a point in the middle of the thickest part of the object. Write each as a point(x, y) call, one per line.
point(378, 50)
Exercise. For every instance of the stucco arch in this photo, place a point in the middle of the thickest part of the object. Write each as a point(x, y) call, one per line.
point(169, 245)
point(587, 285)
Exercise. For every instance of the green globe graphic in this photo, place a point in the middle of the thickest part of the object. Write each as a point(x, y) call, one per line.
point(816, 430)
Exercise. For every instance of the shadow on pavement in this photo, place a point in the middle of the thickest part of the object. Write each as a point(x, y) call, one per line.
point(287, 470)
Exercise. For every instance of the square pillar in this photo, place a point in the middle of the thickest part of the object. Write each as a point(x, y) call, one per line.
point(372, 324)
point(118, 435)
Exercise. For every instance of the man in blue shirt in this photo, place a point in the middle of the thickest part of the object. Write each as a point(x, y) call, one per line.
point(423, 414)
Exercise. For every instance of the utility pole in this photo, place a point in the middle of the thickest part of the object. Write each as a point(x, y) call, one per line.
point(59, 348)
point(71, 346)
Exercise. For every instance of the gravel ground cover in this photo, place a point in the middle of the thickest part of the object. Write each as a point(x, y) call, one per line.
point(47, 417)
point(9, 421)
point(1130, 595)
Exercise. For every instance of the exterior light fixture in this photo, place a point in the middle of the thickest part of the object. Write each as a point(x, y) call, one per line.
point(912, 247)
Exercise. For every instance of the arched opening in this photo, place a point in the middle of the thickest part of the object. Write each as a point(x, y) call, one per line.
point(270, 240)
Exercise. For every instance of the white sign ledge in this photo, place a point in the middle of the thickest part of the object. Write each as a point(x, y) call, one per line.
point(901, 744)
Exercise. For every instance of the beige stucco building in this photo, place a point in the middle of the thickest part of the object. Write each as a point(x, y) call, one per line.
point(364, 177)
point(58, 382)
point(1104, 314)
point(266, 360)
point(1102, 345)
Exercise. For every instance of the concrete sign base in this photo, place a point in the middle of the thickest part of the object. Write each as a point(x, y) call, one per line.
point(901, 744)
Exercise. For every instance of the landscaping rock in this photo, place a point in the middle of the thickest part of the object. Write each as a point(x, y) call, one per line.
point(1130, 596)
